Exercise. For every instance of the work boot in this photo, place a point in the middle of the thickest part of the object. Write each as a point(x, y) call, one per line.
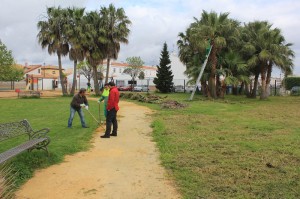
point(113, 134)
point(105, 136)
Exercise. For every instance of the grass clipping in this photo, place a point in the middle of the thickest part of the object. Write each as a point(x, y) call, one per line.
point(153, 99)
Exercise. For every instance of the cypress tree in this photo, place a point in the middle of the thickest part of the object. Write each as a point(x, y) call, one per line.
point(164, 77)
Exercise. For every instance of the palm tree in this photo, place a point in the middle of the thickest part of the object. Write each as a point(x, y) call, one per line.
point(234, 69)
point(281, 55)
point(76, 36)
point(193, 60)
point(267, 48)
point(95, 45)
point(52, 36)
point(214, 30)
point(115, 24)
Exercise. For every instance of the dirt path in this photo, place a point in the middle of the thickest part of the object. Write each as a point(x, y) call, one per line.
point(123, 167)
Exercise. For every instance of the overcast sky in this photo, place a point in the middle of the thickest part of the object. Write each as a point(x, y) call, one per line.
point(153, 23)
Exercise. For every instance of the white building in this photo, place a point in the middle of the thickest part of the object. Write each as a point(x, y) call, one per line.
point(116, 73)
point(178, 69)
point(122, 79)
point(42, 77)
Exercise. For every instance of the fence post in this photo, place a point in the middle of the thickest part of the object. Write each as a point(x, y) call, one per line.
point(147, 85)
point(275, 88)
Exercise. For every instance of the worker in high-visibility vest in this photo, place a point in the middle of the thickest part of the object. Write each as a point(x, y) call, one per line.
point(104, 97)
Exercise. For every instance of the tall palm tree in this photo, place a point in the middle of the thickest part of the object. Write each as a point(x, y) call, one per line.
point(76, 36)
point(52, 36)
point(267, 49)
point(281, 55)
point(115, 24)
point(253, 33)
point(214, 30)
point(192, 60)
point(95, 45)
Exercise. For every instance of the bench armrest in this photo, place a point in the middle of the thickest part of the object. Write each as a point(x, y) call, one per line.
point(39, 134)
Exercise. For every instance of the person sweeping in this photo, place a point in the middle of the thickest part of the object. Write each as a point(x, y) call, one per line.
point(104, 97)
point(78, 102)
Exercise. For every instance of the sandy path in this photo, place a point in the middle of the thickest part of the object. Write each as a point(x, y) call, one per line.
point(123, 167)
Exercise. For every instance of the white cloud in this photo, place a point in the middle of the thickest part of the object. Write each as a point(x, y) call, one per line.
point(153, 23)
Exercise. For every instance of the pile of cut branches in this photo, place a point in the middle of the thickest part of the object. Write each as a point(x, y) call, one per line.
point(153, 99)
point(172, 104)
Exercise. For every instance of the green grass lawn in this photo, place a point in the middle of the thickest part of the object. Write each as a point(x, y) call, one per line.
point(233, 148)
point(42, 113)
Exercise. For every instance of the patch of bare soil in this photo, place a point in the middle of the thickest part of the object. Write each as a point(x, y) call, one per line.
point(123, 167)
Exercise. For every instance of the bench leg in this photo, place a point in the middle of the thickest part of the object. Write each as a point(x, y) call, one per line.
point(43, 148)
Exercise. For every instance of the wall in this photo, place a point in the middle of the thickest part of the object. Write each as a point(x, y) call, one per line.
point(177, 67)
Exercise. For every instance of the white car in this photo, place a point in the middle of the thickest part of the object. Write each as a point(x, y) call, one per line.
point(178, 89)
point(142, 88)
point(190, 89)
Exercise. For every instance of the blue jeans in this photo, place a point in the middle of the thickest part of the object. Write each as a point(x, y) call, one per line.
point(72, 114)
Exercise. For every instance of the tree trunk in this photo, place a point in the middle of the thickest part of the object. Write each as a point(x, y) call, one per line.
point(263, 94)
point(247, 90)
point(74, 78)
point(241, 88)
point(268, 80)
point(207, 91)
point(107, 70)
point(234, 90)
point(95, 78)
point(212, 78)
point(218, 86)
point(203, 88)
point(61, 76)
point(254, 89)
point(222, 89)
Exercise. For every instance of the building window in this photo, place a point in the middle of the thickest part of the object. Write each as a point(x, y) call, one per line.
point(39, 71)
point(53, 72)
point(114, 69)
point(120, 70)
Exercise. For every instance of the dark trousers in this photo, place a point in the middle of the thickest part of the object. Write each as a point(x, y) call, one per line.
point(111, 119)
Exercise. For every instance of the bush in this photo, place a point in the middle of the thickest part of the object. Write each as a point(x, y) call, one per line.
point(291, 82)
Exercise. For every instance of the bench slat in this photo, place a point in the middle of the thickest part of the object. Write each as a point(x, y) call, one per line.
point(18, 149)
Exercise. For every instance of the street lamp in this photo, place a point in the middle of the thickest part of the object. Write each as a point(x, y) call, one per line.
point(43, 77)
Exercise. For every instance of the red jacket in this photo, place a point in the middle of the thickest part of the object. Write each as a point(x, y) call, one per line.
point(113, 99)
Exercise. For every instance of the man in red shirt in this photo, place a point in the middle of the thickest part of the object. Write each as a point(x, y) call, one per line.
point(112, 109)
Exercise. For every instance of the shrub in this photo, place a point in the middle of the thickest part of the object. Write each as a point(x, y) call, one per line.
point(291, 82)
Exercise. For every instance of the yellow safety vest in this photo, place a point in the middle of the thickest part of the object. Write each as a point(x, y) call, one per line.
point(105, 93)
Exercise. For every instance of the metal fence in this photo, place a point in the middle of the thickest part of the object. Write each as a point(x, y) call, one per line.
point(12, 85)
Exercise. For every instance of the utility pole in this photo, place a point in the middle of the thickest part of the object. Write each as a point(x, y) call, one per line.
point(200, 74)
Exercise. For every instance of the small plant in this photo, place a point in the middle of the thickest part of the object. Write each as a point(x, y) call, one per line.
point(30, 97)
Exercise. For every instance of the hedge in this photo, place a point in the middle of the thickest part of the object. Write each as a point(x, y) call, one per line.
point(291, 82)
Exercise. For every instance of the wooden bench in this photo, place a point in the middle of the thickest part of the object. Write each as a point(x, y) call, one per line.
point(37, 139)
point(24, 94)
